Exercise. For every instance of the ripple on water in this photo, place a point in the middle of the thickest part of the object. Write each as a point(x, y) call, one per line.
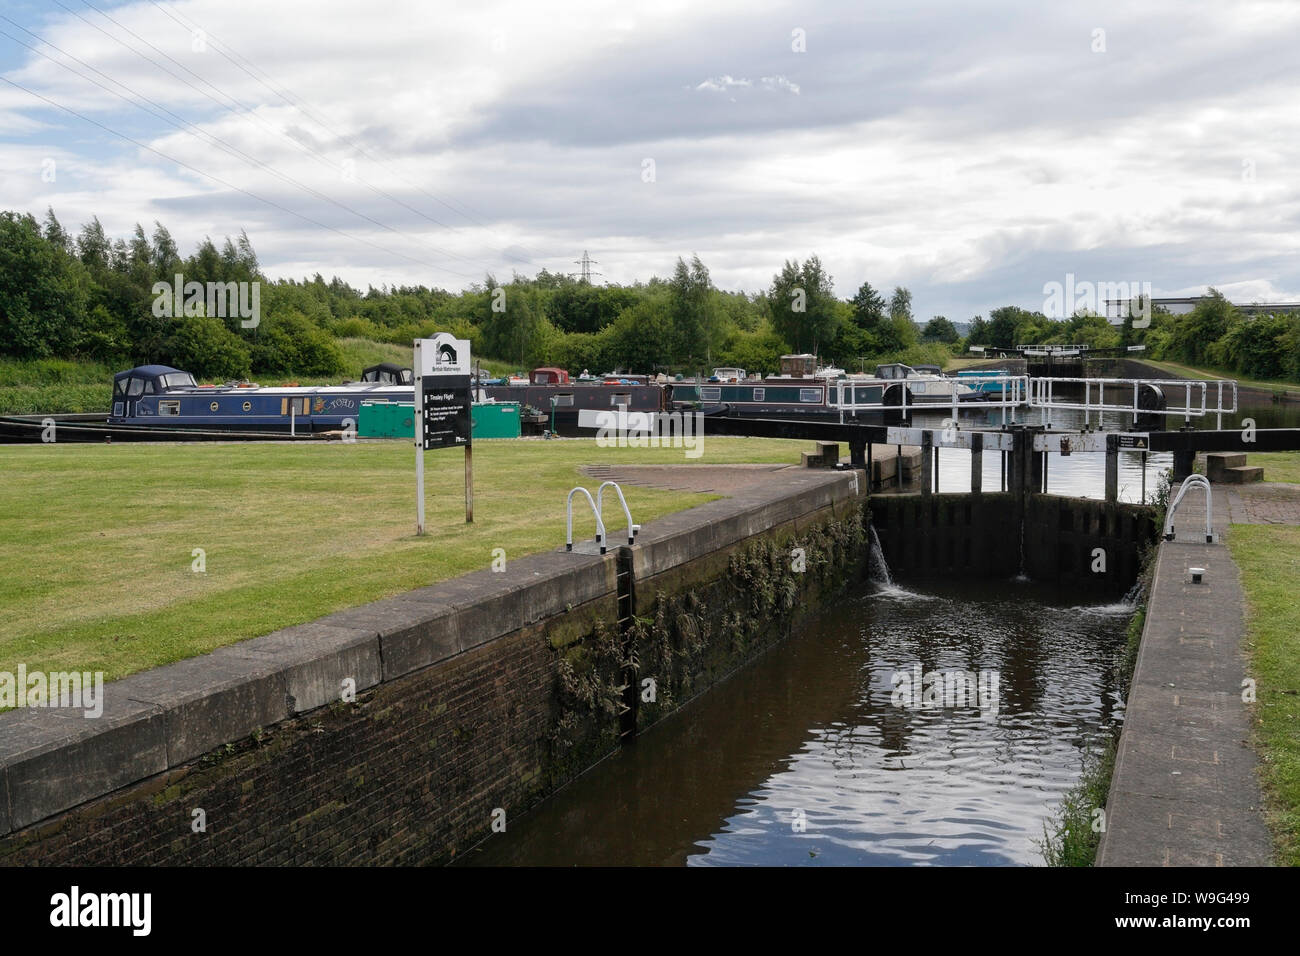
point(802, 758)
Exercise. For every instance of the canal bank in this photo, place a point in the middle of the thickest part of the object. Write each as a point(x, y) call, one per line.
point(405, 730)
point(408, 730)
point(1184, 791)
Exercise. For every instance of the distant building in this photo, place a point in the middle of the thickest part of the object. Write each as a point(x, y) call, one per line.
point(1116, 309)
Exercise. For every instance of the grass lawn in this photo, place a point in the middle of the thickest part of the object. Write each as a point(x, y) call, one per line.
point(953, 364)
point(1283, 466)
point(1178, 370)
point(97, 541)
point(1269, 558)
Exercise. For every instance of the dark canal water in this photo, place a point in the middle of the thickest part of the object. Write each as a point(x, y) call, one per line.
point(804, 758)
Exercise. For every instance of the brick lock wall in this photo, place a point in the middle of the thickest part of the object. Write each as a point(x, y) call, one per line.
point(408, 774)
point(412, 771)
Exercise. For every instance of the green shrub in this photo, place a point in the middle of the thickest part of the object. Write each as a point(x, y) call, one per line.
point(290, 344)
point(205, 348)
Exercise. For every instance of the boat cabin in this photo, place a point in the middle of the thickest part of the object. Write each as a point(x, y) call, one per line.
point(896, 371)
point(135, 383)
point(388, 373)
point(798, 366)
point(548, 376)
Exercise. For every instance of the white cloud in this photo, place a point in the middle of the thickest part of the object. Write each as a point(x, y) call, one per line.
point(971, 155)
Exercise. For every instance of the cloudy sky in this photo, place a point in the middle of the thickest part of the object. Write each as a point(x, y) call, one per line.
point(971, 152)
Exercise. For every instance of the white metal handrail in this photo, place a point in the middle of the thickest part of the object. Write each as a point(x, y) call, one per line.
point(600, 525)
point(1013, 394)
point(1125, 397)
point(632, 529)
point(1192, 481)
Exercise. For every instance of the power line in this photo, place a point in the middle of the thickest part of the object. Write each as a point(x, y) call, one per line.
point(185, 126)
point(296, 102)
point(240, 108)
point(216, 179)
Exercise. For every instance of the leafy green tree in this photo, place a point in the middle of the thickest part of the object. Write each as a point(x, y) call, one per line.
point(290, 344)
point(900, 304)
point(868, 307)
point(55, 234)
point(94, 250)
point(802, 304)
point(691, 309)
point(204, 347)
point(643, 335)
point(939, 329)
point(1002, 326)
point(1190, 336)
point(43, 292)
point(165, 257)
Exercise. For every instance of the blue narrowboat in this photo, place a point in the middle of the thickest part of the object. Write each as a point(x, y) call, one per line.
point(163, 397)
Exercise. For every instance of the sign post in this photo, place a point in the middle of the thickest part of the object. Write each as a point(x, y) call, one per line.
point(443, 410)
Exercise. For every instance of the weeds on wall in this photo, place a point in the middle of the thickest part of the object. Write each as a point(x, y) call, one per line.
point(682, 642)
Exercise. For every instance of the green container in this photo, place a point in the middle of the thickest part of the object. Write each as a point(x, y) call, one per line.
point(496, 420)
point(386, 420)
point(397, 420)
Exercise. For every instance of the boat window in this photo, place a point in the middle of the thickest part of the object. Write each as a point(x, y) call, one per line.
point(563, 401)
point(713, 394)
point(177, 380)
point(759, 393)
point(620, 398)
point(135, 387)
point(169, 407)
point(810, 394)
point(148, 387)
point(117, 409)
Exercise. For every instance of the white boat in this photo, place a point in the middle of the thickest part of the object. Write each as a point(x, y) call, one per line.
point(927, 383)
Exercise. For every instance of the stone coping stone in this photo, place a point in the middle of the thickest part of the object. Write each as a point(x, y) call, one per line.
point(54, 759)
point(680, 538)
point(316, 659)
point(211, 700)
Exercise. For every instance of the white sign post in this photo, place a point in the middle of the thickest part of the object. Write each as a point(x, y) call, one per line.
point(443, 410)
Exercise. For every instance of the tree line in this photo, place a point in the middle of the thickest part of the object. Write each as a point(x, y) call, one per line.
point(92, 297)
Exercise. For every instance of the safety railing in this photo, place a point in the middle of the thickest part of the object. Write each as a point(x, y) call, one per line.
point(1192, 481)
point(632, 529)
point(600, 525)
point(1181, 397)
point(994, 390)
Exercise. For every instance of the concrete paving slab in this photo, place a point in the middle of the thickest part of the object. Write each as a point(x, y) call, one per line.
point(1185, 790)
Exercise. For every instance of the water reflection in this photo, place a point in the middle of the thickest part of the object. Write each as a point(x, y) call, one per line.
point(803, 758)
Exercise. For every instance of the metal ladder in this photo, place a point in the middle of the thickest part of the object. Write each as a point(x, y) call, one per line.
point(596, 506)
point(1192, 481)
point(632, 529)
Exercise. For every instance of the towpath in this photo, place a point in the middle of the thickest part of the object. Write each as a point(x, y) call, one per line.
point(1185, 790)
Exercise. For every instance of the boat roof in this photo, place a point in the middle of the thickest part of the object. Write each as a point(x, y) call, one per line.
point(147, 371)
